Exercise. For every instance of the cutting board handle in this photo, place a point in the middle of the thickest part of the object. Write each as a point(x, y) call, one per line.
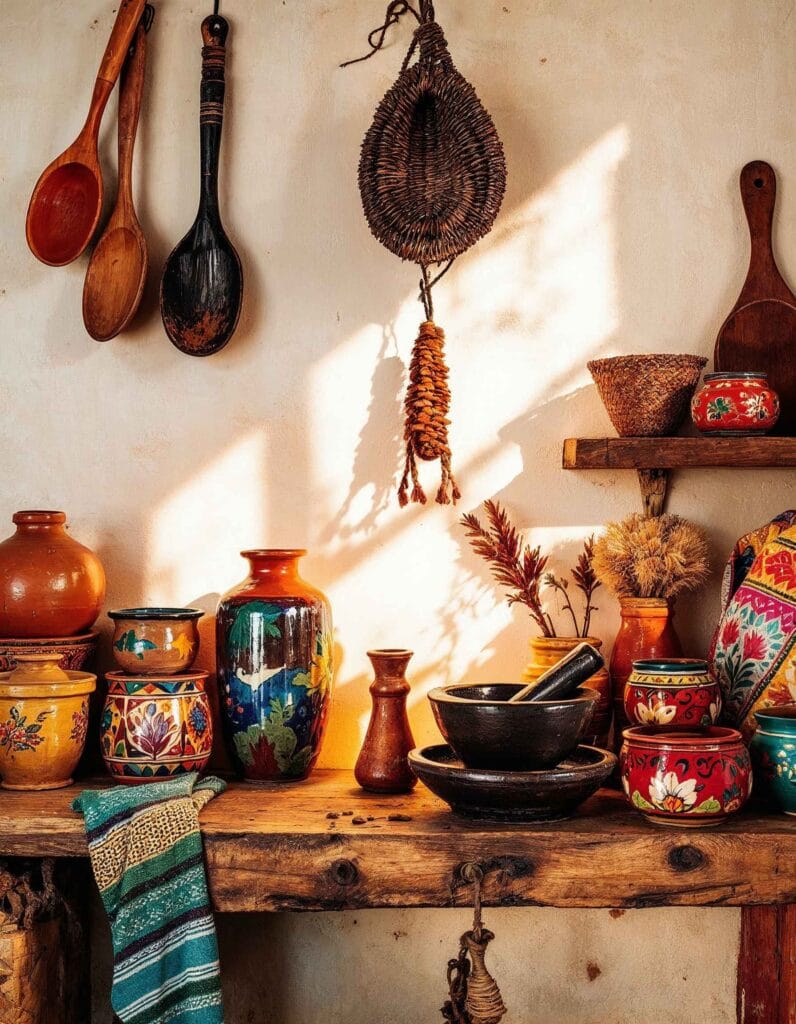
point(759, 194)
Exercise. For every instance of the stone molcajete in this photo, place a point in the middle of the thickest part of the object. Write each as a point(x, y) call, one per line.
point(274, 655)
point(50, 585)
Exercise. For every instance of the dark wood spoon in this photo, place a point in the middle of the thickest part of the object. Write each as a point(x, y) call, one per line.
point(117, 272)
point(202, 287)
point(66, 202)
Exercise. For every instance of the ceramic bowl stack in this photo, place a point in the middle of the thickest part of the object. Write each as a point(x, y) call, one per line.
point(156, 720)
point(677, 766)
point(511, 761)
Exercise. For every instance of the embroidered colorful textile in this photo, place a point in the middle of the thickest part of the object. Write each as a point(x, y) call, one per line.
point(753, 654)
point(146, 852)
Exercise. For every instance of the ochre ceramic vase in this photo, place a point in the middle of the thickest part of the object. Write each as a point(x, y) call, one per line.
point(678, 693)
point(155, 641)
point(155, 727)
point(646, 633)
point(43, 722)
point(546, 651)
point(382, 765)
point(50, 585)
point(274, 659)
point(685, 778)
point(735, 405)
point(773, 750)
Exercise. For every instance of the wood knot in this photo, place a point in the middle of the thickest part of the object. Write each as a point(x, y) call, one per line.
point(686, 858)
point(344, 872)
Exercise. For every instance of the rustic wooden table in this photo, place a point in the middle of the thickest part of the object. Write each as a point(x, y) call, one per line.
point(324, 844)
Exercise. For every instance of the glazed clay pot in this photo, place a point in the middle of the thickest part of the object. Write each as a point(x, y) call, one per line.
point(685, 778)
point(155, 641)
point(274, 660)
point(735, 405)
point(646, 633)
point(546, 651)
point(155, 727)
point(382, 765)
point(70, 652)
point(50, 585)
point(679, 693)
point(773, 750)
point(43, 722)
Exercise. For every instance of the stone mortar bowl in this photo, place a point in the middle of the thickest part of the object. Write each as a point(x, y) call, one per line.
point(488, 732)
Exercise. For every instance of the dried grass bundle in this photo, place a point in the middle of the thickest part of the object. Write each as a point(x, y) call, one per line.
point(657, 556)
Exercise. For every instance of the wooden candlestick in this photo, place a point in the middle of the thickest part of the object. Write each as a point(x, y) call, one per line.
point(382, 765)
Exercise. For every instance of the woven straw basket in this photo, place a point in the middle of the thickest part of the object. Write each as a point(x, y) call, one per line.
point(646, 395)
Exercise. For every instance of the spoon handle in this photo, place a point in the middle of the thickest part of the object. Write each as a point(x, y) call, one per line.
point(131, 91)
point(127, 20)
point(211, 110)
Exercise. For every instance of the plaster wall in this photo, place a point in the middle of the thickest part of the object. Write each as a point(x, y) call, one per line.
point(625, 124)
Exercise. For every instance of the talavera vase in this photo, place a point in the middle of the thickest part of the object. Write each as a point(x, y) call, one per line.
point(274, 659)
point(546, 651)
point(50, 585)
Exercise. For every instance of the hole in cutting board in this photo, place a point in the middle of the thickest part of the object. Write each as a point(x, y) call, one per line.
point(758, 182)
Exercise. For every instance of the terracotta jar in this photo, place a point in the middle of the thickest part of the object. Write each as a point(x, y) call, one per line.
point(382, 765)
point(646, 633)
point(50, 585)
point(274, 660)
point(155, 727)
point(155, 641)
point(735, 405)
point(43, 722)
point(546, 651)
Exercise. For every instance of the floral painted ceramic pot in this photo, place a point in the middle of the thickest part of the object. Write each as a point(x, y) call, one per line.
point(735, 404)
point(155, 727)
point(685, 778)
point(155, 641)
point(274, 654)
point(70, 652)
point(50, 585)
point(773, 751)
point(43, 722)
point(678, 693)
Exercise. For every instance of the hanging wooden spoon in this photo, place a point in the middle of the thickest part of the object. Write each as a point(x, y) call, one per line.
point(202, 287)
point(117, 272)
point(67, 200)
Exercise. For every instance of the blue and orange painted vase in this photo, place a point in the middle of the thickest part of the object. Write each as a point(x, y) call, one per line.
point(274, 660)
point(155, 727)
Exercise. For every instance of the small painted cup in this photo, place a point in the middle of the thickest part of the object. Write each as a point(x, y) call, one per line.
point(155, 641)
point(688, 779)
point(155, 727)
point(678, 693)
point(773, 750)
point(735, 405)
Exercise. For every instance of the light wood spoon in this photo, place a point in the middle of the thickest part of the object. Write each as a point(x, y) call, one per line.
point(117, 272)
point(67, 200)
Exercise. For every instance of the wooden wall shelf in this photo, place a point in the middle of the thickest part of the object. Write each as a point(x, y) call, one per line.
point(654, 457)
point(275, 848)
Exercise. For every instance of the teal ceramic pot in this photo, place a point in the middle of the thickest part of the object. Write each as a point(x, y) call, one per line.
point(773, 751)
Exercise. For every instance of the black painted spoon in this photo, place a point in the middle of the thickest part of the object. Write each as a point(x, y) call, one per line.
point(202, 287)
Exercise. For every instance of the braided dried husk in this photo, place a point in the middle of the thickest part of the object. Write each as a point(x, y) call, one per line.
point(432, 173)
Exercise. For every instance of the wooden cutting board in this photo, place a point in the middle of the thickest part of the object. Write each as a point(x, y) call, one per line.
point(760, 332)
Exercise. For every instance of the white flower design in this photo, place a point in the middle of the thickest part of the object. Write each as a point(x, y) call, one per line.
point(658, 712)
point(669, 794)
point(755, 406)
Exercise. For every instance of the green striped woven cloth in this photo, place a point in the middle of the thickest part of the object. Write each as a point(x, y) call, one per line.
point(146, 852)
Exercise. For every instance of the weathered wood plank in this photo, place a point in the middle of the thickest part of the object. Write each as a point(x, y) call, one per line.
point(766, 992)
point(678, 452)
point(294, 847)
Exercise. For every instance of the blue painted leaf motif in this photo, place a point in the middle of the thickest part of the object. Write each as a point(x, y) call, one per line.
point(132, 645)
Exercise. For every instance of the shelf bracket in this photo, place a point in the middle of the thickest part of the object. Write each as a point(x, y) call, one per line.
point(654, 484)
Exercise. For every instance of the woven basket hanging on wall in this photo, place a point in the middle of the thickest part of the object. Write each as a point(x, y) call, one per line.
point(432, 176)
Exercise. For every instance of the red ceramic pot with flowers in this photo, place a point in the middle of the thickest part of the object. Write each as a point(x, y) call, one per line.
point(685, 778)
point(678, 693)
point(735, 404)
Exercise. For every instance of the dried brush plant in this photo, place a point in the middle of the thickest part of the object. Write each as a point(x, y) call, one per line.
point(520, 569)
point(651, 556)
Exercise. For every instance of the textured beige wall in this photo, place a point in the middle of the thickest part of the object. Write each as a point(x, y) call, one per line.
point(625, 125)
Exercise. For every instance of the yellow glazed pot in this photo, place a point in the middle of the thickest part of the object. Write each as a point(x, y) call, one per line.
point(43, 722)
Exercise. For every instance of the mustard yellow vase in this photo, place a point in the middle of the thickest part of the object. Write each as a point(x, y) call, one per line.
point(43, 722)
point(546, 651)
